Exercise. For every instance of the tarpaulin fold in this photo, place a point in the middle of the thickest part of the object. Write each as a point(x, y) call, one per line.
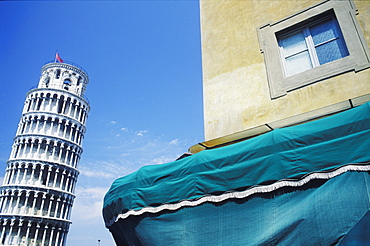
point(325, 149)
point(320, 213)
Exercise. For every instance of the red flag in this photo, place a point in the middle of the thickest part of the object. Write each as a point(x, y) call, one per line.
point(57, 58)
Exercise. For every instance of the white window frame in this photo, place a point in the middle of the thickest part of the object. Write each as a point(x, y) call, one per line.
point(311, 48)
point(357, 60)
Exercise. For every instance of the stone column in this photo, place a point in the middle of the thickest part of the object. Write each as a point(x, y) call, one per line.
point(3, 230)
point(46, 150)
point(33, 181)
point(50, 104)
point(57, 207)
point(60, 152)
point(11, 173)
point(30, 124)
point(2, 201)
point(62, 209)
point(9, 208)
point(18, 171)
point(72, 184)
point(75, 136)
point(56, 173)
point(63, 237)
point(62, 179)
point(67, 208)
point(48, 175)
point(18, 200)
point(27, 200)
point(53, 157)
point(24, 123)
point(33, 101)
point(42, 203)
point(83, 117)
point(7, 241)
point(44, 235)
point(17, 148)
point(19, 232)
point(38, 149)
point(6, 176)
point(28, 232)
point(42, 166)
point(64, 106)
point(51, 199)
point(59, 126)
point(30, 153)
point(34, 200)
point(38, 125)
point(65, 130)
point(76, 111)
point(43, 130)
point(70, 209)
point(70, 105)
point(57, 237)
point(37, 102)
point(68, 182)
point(51, 243)
point(36, 234)
point(24, 174)
point(68, 152)
point(13, 150)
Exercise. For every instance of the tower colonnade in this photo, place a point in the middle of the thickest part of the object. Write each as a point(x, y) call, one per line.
point(37, 194)
point(57, 102)
point(49, 204)
point(41, 175)
point(50, 125)
point(46, 149)
point(38, 232)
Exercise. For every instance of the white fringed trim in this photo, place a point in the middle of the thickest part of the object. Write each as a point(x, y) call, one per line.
point(243, 194)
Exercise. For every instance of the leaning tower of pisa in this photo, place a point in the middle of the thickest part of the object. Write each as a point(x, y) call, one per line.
point(37, 194)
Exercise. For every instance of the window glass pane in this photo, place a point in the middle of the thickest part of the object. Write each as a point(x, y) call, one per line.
point(293, 44)
point(331, 51)
point(298, 63)
point(323, 32)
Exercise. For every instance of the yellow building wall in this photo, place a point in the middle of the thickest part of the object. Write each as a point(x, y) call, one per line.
point(235, 85)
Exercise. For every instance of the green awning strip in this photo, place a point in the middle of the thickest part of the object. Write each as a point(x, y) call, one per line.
point(320, 149)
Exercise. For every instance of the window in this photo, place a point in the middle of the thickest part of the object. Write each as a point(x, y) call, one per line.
point(57, 74)
point(47, 81)
point(67, 83)
point(79, 80)
point(312, 45)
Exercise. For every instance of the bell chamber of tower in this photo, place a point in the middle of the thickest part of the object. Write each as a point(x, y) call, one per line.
point(37, 194)
point(64, 77)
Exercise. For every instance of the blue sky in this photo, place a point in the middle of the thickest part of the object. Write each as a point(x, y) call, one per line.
point(144, 63)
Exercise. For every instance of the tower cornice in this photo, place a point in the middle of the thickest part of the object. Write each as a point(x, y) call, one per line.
point(38, 218)
point(51, 114)
point(53, 163)
point(49, 138)
point(66, 64)
point(35, 188)
point(64, 92)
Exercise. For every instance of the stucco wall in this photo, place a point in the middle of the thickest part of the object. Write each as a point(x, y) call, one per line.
point(236, 90)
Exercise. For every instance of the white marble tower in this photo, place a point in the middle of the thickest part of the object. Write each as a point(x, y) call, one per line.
point(37, 194)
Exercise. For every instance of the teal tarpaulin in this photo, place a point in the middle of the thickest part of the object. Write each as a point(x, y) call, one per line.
point(272, 186)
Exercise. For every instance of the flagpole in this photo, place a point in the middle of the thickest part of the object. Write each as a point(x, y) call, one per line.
point(55, 57)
